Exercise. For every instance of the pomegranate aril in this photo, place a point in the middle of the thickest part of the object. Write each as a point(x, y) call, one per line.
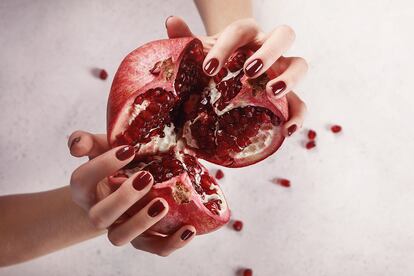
point(311, 134)
point(219, 174)
point(213, 206)
point(283, 182)
point(310, 145)
point(103, 75)
point(247, 272)
point(238, 225)
point(154, 108)
point(336, 128)
point(236, 62)
point(146, 116)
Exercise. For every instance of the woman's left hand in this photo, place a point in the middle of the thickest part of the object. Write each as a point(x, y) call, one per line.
point(268, 49)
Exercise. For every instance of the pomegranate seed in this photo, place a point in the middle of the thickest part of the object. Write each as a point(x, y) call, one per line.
point(103, 74)
point(336, 128)
point(310, 145)
point(247, 272)
point(219, 174)
point(282, 182)
point(311, 134)
point(238, 225)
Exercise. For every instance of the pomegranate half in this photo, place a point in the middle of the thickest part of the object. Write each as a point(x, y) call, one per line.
point(162, 103)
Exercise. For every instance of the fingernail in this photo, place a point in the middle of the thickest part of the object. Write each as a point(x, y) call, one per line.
point(141, 181)
point(292, 129)
point(186, 235)
point(253, 67)
point(156, 208)
point(165, 23)
point(211, 66)
point(278, 87)
point(125, 153)
point(74, 141)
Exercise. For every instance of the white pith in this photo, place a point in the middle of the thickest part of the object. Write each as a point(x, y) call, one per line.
point(136, 110)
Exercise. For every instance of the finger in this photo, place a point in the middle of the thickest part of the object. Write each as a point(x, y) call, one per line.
point(139, 223)
point(297, 112)
point(108, 210)
point(176, 241)
point(164, 246)
point(296, 68)
point(85, 178)
point(278, 42)
point(176, 27)
point(233, 37)
point(83, 143)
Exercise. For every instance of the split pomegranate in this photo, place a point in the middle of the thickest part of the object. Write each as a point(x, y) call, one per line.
point(162, 103)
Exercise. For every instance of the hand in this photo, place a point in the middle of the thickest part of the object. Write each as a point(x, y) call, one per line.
point(268, 54)
point(107, 204)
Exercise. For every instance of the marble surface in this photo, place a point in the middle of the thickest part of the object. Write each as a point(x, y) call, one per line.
point(350, 208)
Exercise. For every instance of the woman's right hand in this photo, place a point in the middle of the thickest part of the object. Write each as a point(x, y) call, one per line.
point(106, 204)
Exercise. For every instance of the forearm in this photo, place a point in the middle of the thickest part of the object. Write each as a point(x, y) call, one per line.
point(217, 14)
point(36, 224)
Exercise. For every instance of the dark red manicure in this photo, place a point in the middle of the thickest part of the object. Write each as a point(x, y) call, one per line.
point(253, 67)
point(166, 20)
point(156, 208)
point(292, 129)
point(211, 66)
point(278, 87)
point(141, 181)
point(74, 141)
point(125, 153)
point(186, 235)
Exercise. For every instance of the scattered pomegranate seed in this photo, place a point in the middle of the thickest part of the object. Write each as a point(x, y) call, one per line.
point(336, 128)
point(219, 174)
point(103, 74)
point(311, 134)
point(310, 145)
point(283, 182)
point(247, 272)
point(238, 225)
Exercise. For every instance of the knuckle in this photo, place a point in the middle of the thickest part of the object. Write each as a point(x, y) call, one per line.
point(163, 253)
point(303, 63)
point(289, 31)
point(96, 219)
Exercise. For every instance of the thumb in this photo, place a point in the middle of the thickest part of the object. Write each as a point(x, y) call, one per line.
point(83, 143)
point(176, 27)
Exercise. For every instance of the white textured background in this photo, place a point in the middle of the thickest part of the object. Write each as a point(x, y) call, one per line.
point(351, 208)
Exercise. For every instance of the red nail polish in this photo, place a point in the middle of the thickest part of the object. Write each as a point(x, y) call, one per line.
point(186, 235)
point(211, 66)
point(141, 181)
point(292, 129)
point(165, 23)
point(74, 141)
point(125, 153)
point(253, 67)
point(156, 208)
point(278, 87)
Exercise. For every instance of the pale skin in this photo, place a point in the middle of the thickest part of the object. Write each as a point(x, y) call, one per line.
point(40, 223)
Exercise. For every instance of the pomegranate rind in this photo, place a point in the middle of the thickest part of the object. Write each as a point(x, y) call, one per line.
point(134, 73)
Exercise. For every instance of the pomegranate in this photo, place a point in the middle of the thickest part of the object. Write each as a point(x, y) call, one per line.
point(162, 103)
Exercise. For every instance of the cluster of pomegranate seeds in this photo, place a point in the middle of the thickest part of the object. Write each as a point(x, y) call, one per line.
point(247, 272)
point(166, 166)
point(219, 174)
point(336, 128)
point(103, 75)
point(311, 134)
point(151, 120)
point(238, 225)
